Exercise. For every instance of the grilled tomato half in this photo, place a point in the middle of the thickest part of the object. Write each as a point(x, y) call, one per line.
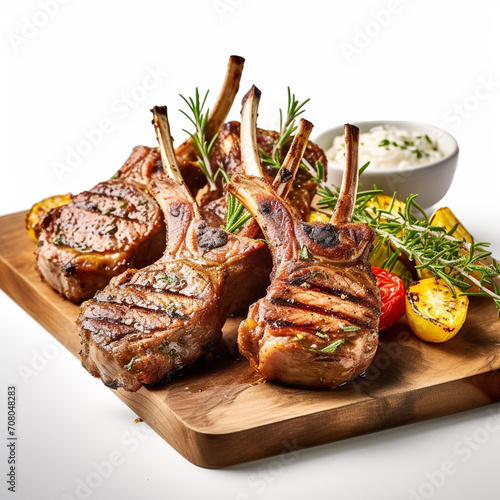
point(392, 293)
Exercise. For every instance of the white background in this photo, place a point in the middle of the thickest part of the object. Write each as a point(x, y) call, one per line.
point(65, 73)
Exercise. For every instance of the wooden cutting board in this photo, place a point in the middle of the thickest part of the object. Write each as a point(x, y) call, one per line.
point(221, 413)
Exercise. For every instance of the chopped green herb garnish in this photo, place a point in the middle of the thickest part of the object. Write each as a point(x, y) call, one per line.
point(171, 307)
point(60, 239)
point(163, 348)
point(169, 278)
point(351, 328)
point(83, 247)
point(433, 144)
point(304, 253)
point(141, 202)
point(111, 229)
point(405, 144)
point(321, 334)
point(129, 365)
point(329, 349)
point(123, 204)
point(116, 175)
point(109, 210)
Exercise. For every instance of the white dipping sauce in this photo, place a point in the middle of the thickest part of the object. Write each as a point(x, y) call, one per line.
point(388, 147)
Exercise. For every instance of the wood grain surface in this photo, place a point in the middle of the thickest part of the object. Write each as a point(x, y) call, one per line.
point(221, 413)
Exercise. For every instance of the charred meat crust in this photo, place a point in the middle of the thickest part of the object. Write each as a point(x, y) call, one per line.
point(317, 325)
point(98, 235)
point(210, 237)
point(148, 322)
point(151, 321)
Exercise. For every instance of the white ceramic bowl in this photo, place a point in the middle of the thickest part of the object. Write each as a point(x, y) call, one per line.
point(430, 181)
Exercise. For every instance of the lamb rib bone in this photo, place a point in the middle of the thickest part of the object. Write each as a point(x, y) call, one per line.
point(347, 197)
point(250, 156)
point(219, 111)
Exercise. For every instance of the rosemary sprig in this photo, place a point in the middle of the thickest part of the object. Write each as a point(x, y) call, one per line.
point(237, 215)
point(329, 349)
point(319, 176)
point(199, 119)
point(273, 162)
point(434, 248)
point(287, 128)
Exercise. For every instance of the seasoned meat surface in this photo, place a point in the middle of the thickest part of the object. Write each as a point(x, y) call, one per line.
point(101, 233)
point(148, 322)
point(322, 292)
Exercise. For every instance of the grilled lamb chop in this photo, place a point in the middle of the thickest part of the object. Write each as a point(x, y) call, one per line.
point(117, 224)
point(100, 234)
point(317, 326)
point(148, 322)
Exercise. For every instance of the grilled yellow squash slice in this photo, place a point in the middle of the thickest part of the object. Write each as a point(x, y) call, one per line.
point(38, 211)
point(433, 312)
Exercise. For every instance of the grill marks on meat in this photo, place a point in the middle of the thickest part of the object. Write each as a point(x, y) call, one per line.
point(148, 322)
point(322, 291)
point(98, 235)
point(102, 232)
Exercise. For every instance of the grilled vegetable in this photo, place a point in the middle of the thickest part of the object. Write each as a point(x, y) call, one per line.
point(392, 293)
point(444, 217)
point(431, 247)
point(315, 216)
point(382, 201)
point(433, 311)
point(38, 211)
